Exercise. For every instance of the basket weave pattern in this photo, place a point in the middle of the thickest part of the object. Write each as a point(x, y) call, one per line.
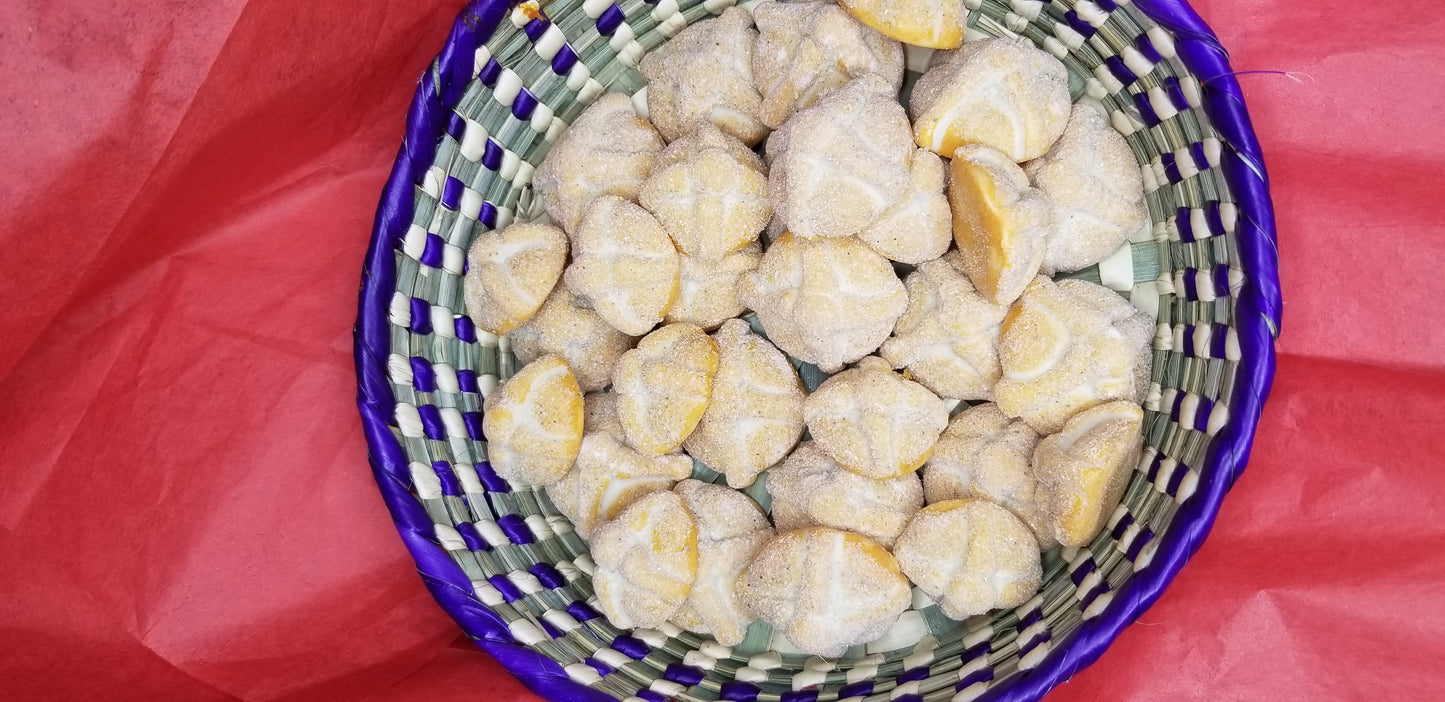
point(513, 573)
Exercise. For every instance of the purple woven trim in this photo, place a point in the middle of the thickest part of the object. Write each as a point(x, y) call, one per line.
point(1259, 307)
point(437, 93)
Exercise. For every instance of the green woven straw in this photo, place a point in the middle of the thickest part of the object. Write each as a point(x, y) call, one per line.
point(515, 574)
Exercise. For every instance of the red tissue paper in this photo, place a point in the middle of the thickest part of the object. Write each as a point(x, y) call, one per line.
point(186, 510)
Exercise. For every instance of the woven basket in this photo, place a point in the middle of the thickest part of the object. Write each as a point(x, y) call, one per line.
point(511, 571)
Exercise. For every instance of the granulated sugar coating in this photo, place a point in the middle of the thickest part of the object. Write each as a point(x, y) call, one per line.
point(710, 202)
point(623, 265)
point(806, 49)
point(811, 489)
point(1093, 182)
point(1068, 346)
point(1084, 469)
point(971, 556)
point(842, 163)
point(826, 301)
point(589, 345)
point(599, 414)
point(918, 227)
point(985, 454)
point(825, 589)
point(1002, 93)
point(873, 422)
point(533, 423)
point(706, 137)
point(1001, 224)
point(705, 74)
point(756, 413)
point(948, 336)
point(607, 150)
point(510, 273)
point(937, 24)
point(709, 293)
point(663, 386)
point(730, 530)
point(607, 477)
point(646, 561)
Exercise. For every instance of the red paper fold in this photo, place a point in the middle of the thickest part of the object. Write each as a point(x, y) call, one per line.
point(185, 507)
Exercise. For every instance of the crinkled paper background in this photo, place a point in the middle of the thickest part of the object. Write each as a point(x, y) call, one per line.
point(186, 512)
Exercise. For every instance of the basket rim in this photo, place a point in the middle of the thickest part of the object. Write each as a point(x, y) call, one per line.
point(1258, 304)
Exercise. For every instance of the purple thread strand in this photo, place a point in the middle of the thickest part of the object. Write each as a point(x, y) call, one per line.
point(631, 647)
point(550, 577)
point(683, 674)
point(473, 539)
point(467, 380)
point(420, 316)
point(490, 480)
point(422, 377)
point(582, 612)
point(431, 255)
point(473, 422)
point(450, 485)
point(510, 592)
point(602, 668)
point(516, 529)
point(431, 422)
point(610, 20)
point(565, 59)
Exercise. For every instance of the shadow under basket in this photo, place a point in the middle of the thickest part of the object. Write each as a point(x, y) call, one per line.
point(511, 571)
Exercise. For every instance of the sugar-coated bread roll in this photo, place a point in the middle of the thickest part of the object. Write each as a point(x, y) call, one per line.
point(1092, 179)
point(510, 273)
point(986, 454)
point(1084, 469)
point(1001, 224)
point(533, 423)
point(755, 415)
point(708, 295)
point(839, 165)
point(825, 589)
point(1002, 93)
point(874, 422)
point(646, 561)
point(730, 530)
point(623, 265)
point(806, 49)
point(608, 476)
point(663, 386)
point(705, 74)
point(711, 202)
point(706, 137)
point(948, 336)
point(811, 489)
point(936, 24)
point(826, 301)
point(607, 150)
point(1068, 346)
point(918, 227)
point(589, 345)
point(971, 556)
